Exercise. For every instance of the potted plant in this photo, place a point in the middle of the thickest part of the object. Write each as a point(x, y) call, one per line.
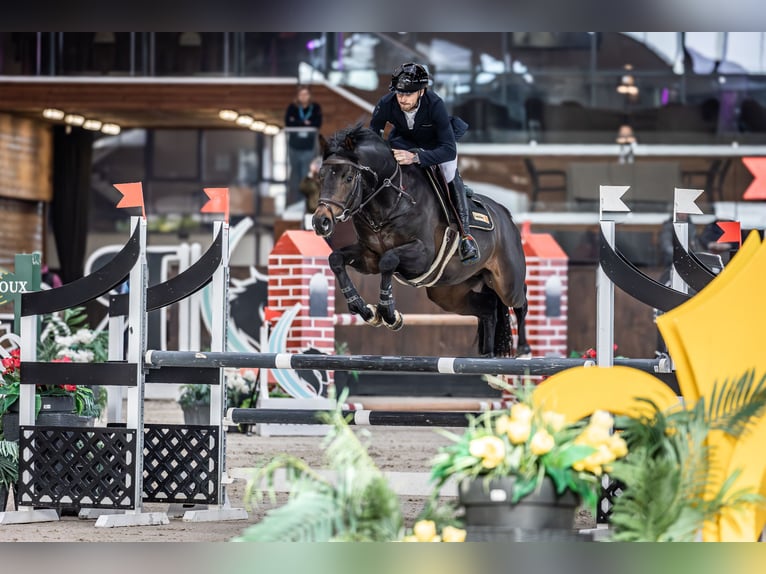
point(195, 398)
point(195, 403)
point(64, 338)
point(666, 494)
point(523, 472)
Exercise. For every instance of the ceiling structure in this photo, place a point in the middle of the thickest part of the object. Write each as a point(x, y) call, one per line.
point(170, 102)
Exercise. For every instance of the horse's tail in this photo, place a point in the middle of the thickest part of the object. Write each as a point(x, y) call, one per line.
point(503, 336)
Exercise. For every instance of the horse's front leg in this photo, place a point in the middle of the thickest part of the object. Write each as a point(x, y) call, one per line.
point(403, 258)
point(338, 261)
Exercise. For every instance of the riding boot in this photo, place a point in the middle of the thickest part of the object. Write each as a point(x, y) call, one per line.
point(469, 249)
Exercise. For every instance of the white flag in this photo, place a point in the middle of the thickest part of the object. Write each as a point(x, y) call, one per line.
point(611, 197)
point(685, 201)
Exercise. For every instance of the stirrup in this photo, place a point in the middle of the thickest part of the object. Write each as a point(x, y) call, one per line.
point(466, 242)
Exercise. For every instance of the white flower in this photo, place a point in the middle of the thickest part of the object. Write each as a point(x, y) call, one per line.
point(84, 336)
point(84, 356)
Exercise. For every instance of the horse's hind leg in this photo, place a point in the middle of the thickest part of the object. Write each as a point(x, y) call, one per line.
point(463, 300)
point(388, 314)
point(338, 261)
point(522, 347)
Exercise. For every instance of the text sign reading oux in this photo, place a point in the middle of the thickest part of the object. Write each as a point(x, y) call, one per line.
point(10, 286)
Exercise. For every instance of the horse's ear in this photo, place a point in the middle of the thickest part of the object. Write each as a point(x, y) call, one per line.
point(348, 143)
point(323, 145)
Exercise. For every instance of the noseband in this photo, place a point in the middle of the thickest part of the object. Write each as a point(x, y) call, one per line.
point(354, 202)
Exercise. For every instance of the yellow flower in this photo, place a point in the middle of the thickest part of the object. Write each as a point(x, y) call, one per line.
point(554, 420)
point(593, 435)
point(518, 432)
point(501, 425)
point(410, 538)
point(521, 413)
point(602, 419)
point(452, 534)
point(490, 449)
point(618, 446)
point(424, 530)
point(541, 442)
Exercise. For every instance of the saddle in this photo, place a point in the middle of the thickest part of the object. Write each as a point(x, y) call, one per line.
point(479, 218)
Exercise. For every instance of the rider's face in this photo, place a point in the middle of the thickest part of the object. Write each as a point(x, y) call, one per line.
point(408, 102)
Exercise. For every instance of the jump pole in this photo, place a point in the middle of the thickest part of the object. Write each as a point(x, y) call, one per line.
point(402, 364)
point(356, 417)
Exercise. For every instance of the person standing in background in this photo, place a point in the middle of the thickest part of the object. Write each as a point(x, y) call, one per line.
point(301, 144)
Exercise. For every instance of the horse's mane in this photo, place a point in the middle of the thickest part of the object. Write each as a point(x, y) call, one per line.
point(344, 142)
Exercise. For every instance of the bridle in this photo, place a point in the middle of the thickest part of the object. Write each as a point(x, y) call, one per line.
point(355, 201)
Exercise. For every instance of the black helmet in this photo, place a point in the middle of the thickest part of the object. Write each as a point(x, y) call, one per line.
point(408, 78)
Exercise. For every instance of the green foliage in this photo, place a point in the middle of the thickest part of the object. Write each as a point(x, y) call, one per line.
point(667, 470)
point(357, 505)
point(9, 462)
point(194, 394)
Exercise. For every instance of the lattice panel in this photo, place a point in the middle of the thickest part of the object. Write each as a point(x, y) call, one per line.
point(610, 490)
point(181, 464)
point(62, 467)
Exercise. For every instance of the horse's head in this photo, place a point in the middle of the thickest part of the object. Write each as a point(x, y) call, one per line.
point(351, 161)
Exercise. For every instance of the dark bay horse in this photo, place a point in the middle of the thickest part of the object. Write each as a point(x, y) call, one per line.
point(401, 226)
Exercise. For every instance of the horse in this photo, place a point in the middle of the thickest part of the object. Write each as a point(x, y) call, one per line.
point(403, 230)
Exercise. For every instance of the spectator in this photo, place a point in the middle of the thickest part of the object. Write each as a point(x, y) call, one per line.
point(310, 185)
point(301, 144)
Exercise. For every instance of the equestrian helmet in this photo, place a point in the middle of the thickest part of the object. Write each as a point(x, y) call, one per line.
point(409, 78)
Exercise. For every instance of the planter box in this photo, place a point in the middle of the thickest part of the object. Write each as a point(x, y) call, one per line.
point(540, 516)
point(54, 411)
point(197, 414)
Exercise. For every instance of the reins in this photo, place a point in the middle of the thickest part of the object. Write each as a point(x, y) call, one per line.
point(348, 209)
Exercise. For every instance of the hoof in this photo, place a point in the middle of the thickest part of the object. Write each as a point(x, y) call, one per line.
point(375, 320)
point(524, 352)
point(398, 322)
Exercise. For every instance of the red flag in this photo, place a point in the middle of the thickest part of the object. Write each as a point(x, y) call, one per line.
point(757, 166)
point(218, 202)
point(132, 196)
point(731, 232)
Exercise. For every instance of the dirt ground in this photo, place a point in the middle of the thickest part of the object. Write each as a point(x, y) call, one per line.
point(402, 449)
point(393, 449)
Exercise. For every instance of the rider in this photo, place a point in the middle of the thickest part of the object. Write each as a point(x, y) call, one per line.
point(423, 133)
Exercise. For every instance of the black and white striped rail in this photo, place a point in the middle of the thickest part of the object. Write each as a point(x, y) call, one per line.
point(357, 417)
point(404, 364)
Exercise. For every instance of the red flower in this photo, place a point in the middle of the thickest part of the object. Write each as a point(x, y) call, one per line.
point(62, 360)
point(589, 354)
point(70, 388)
point(12, 363)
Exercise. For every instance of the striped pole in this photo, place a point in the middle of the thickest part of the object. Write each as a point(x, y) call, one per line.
point(357, 417)
point(404, 364)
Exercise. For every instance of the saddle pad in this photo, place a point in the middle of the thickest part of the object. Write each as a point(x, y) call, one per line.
point(480, 217)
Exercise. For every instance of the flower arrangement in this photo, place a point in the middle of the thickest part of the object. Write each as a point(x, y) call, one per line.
point(529, 444)
point(64, 338)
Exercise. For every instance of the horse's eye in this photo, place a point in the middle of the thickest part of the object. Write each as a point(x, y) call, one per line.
point(349, 178)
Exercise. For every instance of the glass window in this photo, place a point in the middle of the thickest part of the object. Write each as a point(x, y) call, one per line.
point(175, 154)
